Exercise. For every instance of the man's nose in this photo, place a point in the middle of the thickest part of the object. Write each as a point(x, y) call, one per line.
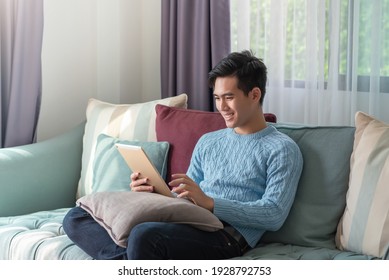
point(223, 105)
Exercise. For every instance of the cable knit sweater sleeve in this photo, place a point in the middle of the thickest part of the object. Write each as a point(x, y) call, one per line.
point(252, 178)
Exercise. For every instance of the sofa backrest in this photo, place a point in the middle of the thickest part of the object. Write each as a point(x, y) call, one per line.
point(321, 193)
point(320, 198)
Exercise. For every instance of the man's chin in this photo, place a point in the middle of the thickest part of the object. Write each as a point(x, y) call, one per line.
point(230, 124)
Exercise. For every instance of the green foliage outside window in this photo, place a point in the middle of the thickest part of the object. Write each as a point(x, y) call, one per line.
point(296, 21)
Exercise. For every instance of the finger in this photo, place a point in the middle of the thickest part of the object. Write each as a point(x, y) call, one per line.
point(183, 194)
point(186, 195)
point(143, 188)
point(181, 188)
point(134, 184)
point(134, 176)
point(178, 190)
point(138, 182)
point(178, 182)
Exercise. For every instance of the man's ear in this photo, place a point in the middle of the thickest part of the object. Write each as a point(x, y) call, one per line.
point(256, 93)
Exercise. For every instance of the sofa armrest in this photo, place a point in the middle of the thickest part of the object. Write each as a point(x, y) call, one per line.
point(41, 176)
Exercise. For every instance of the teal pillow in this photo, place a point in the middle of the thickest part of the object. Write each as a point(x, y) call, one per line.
point(111, 172)
point(321, 194)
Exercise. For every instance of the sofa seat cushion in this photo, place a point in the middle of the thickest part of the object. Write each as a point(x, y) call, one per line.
point(37, 236)
point(279, 251)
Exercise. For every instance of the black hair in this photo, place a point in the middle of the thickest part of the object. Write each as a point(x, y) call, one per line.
point(250, 71)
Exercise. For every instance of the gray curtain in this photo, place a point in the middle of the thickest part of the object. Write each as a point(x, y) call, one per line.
point(21, 32)
point(195, 35)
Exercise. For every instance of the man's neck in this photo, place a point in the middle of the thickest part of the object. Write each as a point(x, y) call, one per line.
point(256, 124)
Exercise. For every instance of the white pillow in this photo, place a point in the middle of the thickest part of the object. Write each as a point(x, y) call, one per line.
point(364, 227)
point(119, 212)
point(135, 122)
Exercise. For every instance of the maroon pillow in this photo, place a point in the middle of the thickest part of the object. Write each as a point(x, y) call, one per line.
point(270, 117)
point(182, 128)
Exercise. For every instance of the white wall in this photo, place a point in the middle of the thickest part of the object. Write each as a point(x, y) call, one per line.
point(104, 49)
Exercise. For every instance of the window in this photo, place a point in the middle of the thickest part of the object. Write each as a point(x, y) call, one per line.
point(365, 27)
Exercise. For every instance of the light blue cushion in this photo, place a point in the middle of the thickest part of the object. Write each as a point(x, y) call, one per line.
point(37, 236)
point(111, 172)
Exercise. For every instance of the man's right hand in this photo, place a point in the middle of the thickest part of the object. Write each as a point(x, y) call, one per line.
point(140, 184)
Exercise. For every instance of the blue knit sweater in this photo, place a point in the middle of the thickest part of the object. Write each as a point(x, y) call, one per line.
point(252, 178)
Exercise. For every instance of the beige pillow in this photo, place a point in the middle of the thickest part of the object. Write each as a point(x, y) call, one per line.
point(134, 122)
point(364, 227)
point(119, 212)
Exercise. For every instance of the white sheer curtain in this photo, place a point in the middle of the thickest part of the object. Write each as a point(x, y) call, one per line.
point(326, 59)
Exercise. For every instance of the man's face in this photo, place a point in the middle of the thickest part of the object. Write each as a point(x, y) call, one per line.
point(238, 110)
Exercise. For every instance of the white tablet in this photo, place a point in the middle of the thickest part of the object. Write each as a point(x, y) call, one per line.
point(138, 161)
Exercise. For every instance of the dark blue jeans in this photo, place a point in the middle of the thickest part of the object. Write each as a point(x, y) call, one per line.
point(149, 241)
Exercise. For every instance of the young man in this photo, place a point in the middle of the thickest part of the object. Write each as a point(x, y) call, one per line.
point(246, 174)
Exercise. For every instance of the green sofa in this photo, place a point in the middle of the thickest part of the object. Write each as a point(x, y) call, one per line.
point(38, 185)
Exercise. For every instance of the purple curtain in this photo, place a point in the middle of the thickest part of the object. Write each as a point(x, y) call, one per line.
point(195, 35)
point(21, 32)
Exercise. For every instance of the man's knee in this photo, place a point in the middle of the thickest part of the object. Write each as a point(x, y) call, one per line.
point(144, 242)
point(72, 219)
point(142, 233)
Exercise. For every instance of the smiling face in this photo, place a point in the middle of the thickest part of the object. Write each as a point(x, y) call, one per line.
point(241, 112)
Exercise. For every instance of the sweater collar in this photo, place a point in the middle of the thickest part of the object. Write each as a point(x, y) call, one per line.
point(262, 133)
